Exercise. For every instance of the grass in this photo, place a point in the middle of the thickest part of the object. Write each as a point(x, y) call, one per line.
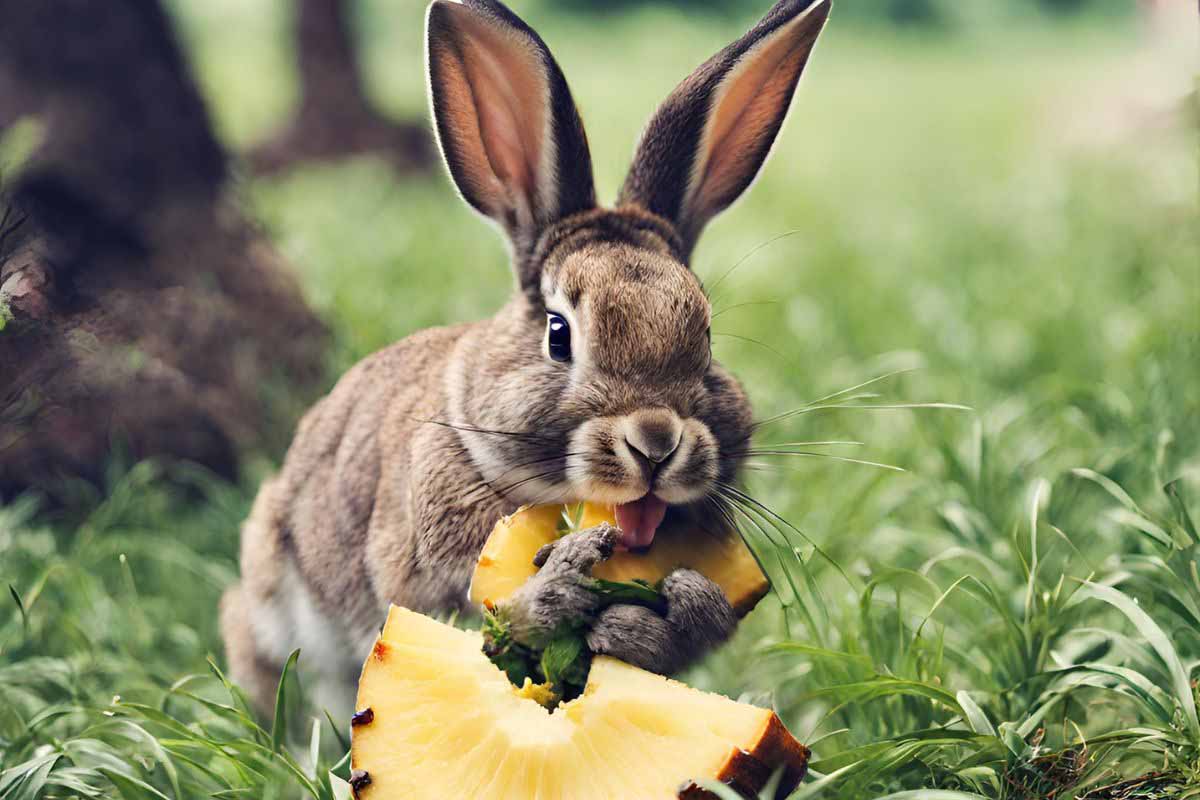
point(1016, 615)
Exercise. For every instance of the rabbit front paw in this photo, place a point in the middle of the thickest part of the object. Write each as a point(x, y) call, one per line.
point(698, 619)
point(559, 592)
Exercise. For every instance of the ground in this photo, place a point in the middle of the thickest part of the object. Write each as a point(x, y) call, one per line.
point(1008, 216)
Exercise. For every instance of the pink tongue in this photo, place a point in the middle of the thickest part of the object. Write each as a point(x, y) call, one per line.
point(639, 520)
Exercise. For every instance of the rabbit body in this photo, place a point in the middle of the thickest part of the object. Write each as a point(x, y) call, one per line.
point(594, 382)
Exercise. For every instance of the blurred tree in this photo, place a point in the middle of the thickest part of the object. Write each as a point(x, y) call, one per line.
point(136, 304)
point(335, 117)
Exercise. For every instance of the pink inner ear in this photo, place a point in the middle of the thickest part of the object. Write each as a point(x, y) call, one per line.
point(751, 98)
point(501, 123)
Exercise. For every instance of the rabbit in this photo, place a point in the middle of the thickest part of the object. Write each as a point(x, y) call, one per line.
point(595, 381)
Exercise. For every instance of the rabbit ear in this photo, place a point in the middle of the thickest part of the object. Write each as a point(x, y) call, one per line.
point(709, 138)
point(508, 128)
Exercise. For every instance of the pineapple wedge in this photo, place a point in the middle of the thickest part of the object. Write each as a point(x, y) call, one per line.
point(507, 558)
point(438, 720)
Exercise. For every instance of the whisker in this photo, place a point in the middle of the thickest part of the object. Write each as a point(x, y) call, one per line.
point(846, 391)
point(490, 431)
point(829, 456)
point(737, 507)
point(720, 507)
point(482, 484)
point(489, 485)
point(864, 384)
point(752, 251)
point(742, 305)
point(761, 508)
point(727, 508)
point(827, 443)
point(551, 494)
point(764, 345)
point(876, 407)
point(528, 479)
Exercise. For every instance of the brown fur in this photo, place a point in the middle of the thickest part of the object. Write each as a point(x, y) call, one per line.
point(395, 479)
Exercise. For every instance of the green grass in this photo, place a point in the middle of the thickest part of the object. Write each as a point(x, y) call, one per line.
point(1016, 613)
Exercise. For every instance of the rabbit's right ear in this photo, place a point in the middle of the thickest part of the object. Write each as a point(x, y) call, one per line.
point(709, 138)
point(506, 123)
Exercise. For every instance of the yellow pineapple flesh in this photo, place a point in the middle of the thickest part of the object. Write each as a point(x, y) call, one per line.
point(506, 561)
point(438, 720)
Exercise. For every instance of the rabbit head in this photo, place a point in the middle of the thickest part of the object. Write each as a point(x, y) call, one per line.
point(596, 381)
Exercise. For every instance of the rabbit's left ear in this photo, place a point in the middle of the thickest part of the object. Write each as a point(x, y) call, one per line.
point(506, 123)
point(709, 138)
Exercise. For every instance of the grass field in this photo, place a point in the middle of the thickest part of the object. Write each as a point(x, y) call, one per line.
point(1003, 218)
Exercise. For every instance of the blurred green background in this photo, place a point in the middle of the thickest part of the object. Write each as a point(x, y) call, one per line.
point(999, 197)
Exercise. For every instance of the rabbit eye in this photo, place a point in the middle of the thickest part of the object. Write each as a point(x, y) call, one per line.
point(558, 338)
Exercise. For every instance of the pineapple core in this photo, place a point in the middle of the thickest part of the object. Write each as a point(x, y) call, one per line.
point(441, 721)
point(507, 558)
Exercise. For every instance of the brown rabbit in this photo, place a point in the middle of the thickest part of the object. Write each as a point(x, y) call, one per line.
point(594, 381)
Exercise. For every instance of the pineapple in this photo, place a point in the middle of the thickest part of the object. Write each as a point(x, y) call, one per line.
point(438, 720)
point(507, 558)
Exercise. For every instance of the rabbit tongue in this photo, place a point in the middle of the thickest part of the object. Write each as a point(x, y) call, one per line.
point(639, 521)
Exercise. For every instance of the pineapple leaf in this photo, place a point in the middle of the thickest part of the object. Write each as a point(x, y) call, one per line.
point(637, 592)
point(565, 662)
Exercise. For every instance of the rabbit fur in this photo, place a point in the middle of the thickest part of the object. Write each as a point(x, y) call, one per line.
point(395, 479)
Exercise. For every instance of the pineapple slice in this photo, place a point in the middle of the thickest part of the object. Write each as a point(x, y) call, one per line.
point(507, 558)
point(438, 720)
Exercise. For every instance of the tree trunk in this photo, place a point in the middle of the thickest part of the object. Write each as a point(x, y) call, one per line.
point(335, 118)
point(138, 310)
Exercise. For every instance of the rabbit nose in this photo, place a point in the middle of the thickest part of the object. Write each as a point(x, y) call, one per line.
point(654, 434)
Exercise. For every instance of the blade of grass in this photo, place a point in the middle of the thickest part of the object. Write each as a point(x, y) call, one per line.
point(279, 721)
point(1180, 683)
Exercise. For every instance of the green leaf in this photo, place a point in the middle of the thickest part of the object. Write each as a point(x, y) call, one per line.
point(1011, 735)
point(975, 716)
point(931, 794)
point(1109, 485)
point(565, 661)
point(25, 781)
point(883, 686)
point(721, 790)
point(12, 590)
point(130, 787)
point(1174, 492)
point(1041, 487)
point(1140, 523)
point(811, 790)
point(342, 768)
point(279, 720)
point(849, 659)
point(629, 592)
point(343, 743)
point(1180, 684)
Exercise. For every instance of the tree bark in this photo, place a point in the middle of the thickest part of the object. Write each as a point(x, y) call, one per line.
point(139, 311)
point(335, 118)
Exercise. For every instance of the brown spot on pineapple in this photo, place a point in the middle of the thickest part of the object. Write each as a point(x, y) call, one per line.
point(359, 779)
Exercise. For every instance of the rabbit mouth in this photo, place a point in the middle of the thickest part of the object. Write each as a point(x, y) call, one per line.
point(639, 521)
